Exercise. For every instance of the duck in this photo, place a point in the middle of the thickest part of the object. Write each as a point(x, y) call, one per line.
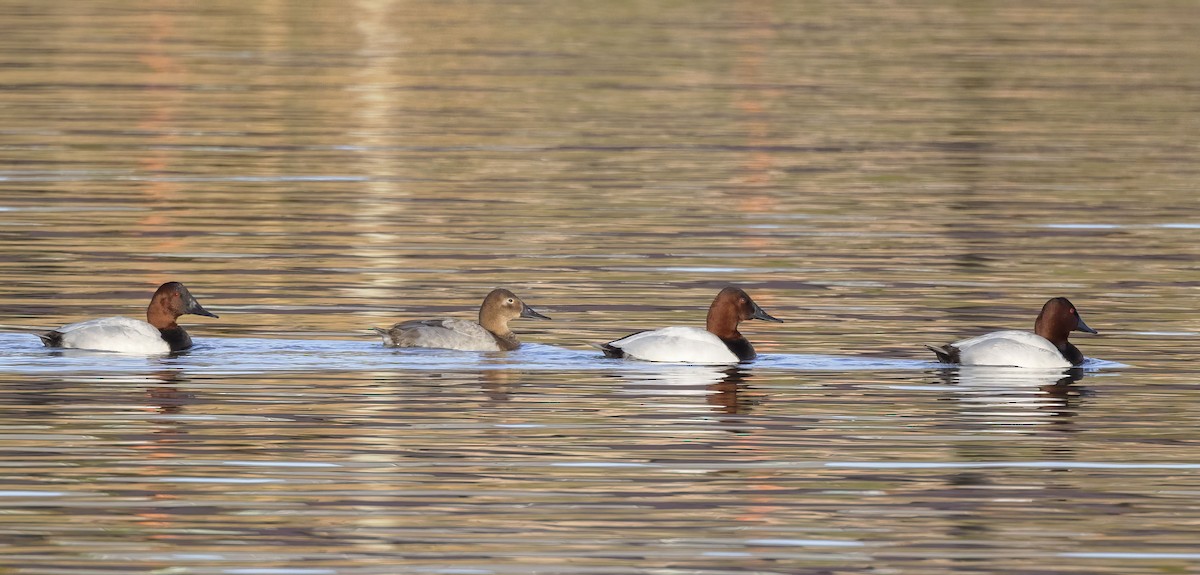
point(1047, 347)
point(718, 343)
point(490, 333)
point(158, 334)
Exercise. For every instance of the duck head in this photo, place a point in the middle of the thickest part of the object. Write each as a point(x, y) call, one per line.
point(731, 307)
point(1058, 319)
point(502, 306)
point(171, 301)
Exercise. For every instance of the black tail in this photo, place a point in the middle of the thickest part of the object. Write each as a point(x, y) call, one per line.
point(610, 350)
point(51, 338)
point(945, 354)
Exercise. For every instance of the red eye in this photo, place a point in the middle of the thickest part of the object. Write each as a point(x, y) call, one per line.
point(1073, 312)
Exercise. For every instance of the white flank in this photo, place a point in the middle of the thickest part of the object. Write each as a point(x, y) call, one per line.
point(676, 344)
point(1010, 348)
point(119, 334)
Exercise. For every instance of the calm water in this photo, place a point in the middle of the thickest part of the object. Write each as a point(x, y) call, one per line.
point(880, 175)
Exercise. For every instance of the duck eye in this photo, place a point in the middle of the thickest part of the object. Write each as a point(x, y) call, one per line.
point(509, 301)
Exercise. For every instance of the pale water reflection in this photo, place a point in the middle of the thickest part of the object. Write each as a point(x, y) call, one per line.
point(879, 175)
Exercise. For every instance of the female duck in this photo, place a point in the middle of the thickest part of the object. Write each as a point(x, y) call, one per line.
point(720, 342)
point(490, 334)
point(1046, 347)
point(158, 334)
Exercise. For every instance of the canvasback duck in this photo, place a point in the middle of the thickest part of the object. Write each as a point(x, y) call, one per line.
point(1046, 347)
point(719, 342)
point(158, 334)
point(491, 333)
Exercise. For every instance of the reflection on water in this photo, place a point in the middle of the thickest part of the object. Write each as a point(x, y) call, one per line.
point(726, 389)
point(879, 175)
point(1006, 400)
point(695, 468)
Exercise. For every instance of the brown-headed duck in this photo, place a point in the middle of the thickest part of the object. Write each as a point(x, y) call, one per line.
point(491, 333)
point(158, 334)
point(1046, 347)
point(719, 342)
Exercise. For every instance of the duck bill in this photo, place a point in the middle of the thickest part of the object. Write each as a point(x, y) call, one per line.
point(760, 314)
point(194, 308)
point(1084, 327)
point(528, 312)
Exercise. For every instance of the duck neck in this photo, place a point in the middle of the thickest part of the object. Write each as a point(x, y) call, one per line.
point(497, 326)
point(723, 323)
point(159, 316)
point(177, 338)
point(507, 342)
point(1072, 353)
point(1052, 331)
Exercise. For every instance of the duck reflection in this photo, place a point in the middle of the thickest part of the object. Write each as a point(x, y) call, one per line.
point(732, 395)
point(498, 384)
point(1013, 377)
point(1012, 413)
point(1014, 394)
point(165, 394)
point(1004, 415)
point(725, 388)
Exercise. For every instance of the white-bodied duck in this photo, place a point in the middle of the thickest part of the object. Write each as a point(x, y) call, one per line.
point(1046, 347)
point(720, 341)
point(158, 334)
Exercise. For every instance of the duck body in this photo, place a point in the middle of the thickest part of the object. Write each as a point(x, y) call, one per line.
point(116, 334)
point(1012, 348)
point(160, 334)
point(679, 344)
point(1047, 347)
point(719, 343)
point(457, 334)
point(490, 333)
